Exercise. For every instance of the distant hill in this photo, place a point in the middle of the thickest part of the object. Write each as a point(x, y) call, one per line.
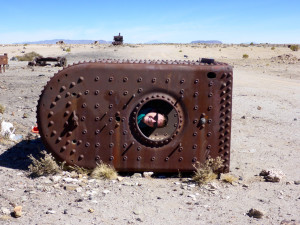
point(207, 42)
point(154, 42)
point(66, 41)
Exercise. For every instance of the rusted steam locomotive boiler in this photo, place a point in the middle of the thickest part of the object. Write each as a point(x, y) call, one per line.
point(89, 113)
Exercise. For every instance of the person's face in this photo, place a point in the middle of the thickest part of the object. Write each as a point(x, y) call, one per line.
point(149, 119)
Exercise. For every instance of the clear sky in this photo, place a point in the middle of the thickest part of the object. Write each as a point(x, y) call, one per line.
point(176, 21)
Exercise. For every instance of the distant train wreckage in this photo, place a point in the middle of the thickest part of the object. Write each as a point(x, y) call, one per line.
point(3, 62)
point(118, 40)
point(42, 61)
point(89, 113)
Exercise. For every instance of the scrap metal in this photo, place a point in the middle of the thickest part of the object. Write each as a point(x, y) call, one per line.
point(3, 62)
point(87, 114)
point(42, 61)
point(118, 40)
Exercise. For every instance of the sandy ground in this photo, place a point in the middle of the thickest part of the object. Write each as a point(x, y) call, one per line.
point(265, 135)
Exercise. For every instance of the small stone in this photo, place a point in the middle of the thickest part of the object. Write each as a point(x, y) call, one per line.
point(120, 178)
point(25, 115)
point(137, 212)
point(55, 178)
point(70, 187)
point(255, 213)
point(147, 174)
point(105, 192)
point(272, 175)
point(70, 180)
point(136, 175)
point(65, 211)
point(258, 107)
point(50, 212)
point(139, 219)
point(5, 210)
point(243, 117)
point(17, 211)
point(297, 182)
point(91, 210)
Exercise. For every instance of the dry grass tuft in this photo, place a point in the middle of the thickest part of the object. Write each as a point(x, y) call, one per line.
point(2, 109)
point(28, 56)
point(228, 178)
point(207, 172)
point(245, 56)
point(44, 166)
point(104, 171)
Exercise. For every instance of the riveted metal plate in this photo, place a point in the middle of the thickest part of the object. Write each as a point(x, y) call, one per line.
point(88, 113)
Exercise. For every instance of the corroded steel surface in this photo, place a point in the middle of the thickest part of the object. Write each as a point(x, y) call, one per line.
point(3, 62)
point(87, 114)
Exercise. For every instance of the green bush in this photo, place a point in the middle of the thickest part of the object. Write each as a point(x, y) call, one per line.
point(245, 56)
point(294, 48)
point(28, 56)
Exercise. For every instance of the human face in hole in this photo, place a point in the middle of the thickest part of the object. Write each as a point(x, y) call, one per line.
point(150, 120)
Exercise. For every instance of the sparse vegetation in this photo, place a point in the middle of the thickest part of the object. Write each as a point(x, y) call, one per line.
point(2, 109)
point(273, 48)
point(251, 43)
point(294, 48)
point(180, 50)
point(207, 171)
point(68, 49)
point(104, 171)
point(245, 56)
point(28, 56)
point(228, 178)
point(44, 166)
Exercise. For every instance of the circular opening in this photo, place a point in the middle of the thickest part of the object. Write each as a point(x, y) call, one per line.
point(157, 120)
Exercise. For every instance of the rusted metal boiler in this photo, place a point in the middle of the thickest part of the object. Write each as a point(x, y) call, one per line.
point(3, 62)
point(88, 114)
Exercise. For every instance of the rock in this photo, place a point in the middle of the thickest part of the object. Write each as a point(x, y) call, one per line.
point(297, 182)
point(137, 212)
point(286, 222)
point(55, 178)
point(5, 211)
point(243, 117)
point(91, 210)
point(258, 107)
point(272, 175)
point(70, 187)
point(139, 219)
point(120, 178)
point(255, 213)
point(136, 175)
point(105, 192)
point(70, 180)
point(147, 174)
point(50, 212)
point(17, 211)
point(65, 211)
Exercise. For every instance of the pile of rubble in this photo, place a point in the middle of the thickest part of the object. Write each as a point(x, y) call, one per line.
point(286, 58)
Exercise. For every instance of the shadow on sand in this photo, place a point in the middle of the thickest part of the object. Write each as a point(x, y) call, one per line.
point(17, 157)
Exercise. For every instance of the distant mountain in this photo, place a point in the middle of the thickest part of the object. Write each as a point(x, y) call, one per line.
point(207, 42)
point(154, 42)
point(66, 41)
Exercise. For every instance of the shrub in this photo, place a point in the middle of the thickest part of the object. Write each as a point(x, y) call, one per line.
point(294, 48)
point(245, 56)
point(208, 171)
point(68, 49)
point(180, 50)
point(228, 178)
point(273, 48)
point(44, 165)
point(28, 56)
point(104, 171)
point(2, 109)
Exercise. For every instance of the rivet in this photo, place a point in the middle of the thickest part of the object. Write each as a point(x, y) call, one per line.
point(194, 159)
point(97, 158)
point(80, 79)
point(68, 142)
point(79, 142)
point(87, 144)
point(125, 79)
point(51, 123)
point(111, 92)
point(139, 79)
point(153, 158)
point(73, 151)
point(125, 93)
point(63, 88)
point(195, 107)
point(51, 113)
point(111, 158)
point(167, 158)
point(53, 104)
point(196, 94)
point(96, 92)
point(97, 105)
point(180, 149)
point(227, 139)
point(79, 94)
point(222, 114)
point(196, 81)
point(222, 135)
point(72, 84)
point(221, 142)
point(181, 91)
point(53, 133)
point(110, 106)
point(210, 108)
point(84, 131)
point(69, 133)
point(64, 148)
point(139, 158)
point(210, 83)
point(203, 114)
point(111, 145)
point(180, 159)
point(97, 78)
point(210, 94)
point(97, 118)
point(125, 158)
point(123, 119)
point(140, 90)
point(195, 121)
point(111, 132)
point(182, 81)
point(195, 134)
point(82, 118)
point(83, 105)
point(59, 139)
point(80, 157)
point(66, 123)
point(124, 145)
point(167, 80)
point(58, 97)
point(110, 79)
point(139, 148)
point(125, 132)
point(227, 131)
point(194, 146)
point(208, 134)
point(97, 131)
point(210, 120)
point(226, 145)
point(208, 146)
point(154, 80)
point(86, 92)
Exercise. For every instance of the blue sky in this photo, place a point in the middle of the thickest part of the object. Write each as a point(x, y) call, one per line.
point(236, 21)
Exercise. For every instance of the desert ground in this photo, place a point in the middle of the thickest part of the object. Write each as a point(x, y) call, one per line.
point(265, 135)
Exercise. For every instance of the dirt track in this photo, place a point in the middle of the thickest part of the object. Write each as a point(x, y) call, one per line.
point(265, 134)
